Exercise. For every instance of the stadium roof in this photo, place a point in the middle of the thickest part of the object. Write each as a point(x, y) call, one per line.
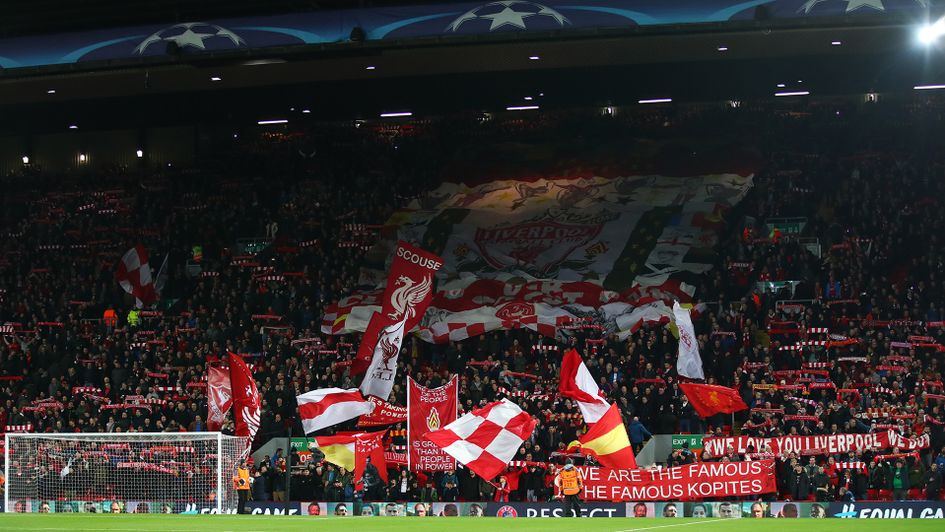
point(593, 67)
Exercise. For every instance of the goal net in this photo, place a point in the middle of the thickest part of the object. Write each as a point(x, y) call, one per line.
point(184, 472)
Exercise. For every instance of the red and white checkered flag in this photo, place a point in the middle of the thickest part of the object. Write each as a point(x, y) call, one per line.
point(134, 275)
point(486, 439)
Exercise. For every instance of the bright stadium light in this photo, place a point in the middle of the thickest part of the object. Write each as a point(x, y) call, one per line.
point(930, 33)
point(656, 100)
point(26, 160)
point(271, 122)
point(139, 153)
point(928, 87)
point(396, 115)
point(792, 93)
point(522, 108)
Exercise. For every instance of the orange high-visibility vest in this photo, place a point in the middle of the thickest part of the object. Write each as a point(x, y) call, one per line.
point(570, 481)
point(241, 474)
point(110, 317)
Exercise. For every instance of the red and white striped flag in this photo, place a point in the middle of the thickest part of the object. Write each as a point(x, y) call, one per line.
point(486, 439)
point(577, 383)
point(323, 408)
point(134, 276)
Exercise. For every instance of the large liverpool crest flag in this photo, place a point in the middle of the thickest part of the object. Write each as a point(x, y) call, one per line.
point(541, 253)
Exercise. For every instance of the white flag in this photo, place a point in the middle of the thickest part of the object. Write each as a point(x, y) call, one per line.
point(689, 363)
point(379, 377)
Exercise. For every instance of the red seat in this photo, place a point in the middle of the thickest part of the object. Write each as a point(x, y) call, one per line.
point(885, 495)
point(915, 494)
point(872, 494)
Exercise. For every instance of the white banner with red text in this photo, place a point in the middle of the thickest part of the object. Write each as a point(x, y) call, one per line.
point(825, 444)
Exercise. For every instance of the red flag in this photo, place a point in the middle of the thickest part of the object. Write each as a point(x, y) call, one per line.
point(134, 275)
point(219, 396)
point(245, 399)
point(709, 399)
point(369, 446)
point(407, 296)
point(429, 409)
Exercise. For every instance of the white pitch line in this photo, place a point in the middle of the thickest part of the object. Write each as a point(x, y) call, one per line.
point(96, 529)
point(674, 525)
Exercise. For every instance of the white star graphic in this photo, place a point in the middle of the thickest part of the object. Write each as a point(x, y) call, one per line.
point(853, 5)
point(507, 16)
point(808, 5)
point(469, 15)
point(190, 38)
point(234, 38)
point(147, 42)
point(547, 11)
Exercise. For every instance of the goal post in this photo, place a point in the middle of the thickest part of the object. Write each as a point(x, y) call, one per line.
point(152, 472)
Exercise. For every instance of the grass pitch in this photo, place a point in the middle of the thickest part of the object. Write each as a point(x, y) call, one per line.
point(259, 523)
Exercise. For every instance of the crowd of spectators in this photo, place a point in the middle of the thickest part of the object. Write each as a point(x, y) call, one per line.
point(256, 245)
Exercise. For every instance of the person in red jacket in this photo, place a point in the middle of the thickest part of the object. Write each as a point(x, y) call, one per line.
point(502, 490)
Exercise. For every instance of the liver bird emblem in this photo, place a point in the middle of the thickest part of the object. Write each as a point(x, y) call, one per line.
point(407, 296)
point(389, 347)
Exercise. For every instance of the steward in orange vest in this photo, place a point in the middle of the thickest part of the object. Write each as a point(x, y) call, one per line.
point(241, 484)
point(568, 484)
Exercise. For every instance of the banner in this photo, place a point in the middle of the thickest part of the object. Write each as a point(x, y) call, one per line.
point(888, 510)
point(538, 254)
point(384, 413)
point(408, 293)
point(219, 396)
point(429, 410)
point(389, 22)
point(827, 444)
point(554, 509)
point(688, 482)
point(385, 352)
point(688, 363)
point(246, 399)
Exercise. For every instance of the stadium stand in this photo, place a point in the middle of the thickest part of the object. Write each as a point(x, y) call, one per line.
point(827, 284)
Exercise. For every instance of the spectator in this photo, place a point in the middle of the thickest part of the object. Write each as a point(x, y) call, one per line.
point(932, 482)
point(638, 433)
point(899, 481)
